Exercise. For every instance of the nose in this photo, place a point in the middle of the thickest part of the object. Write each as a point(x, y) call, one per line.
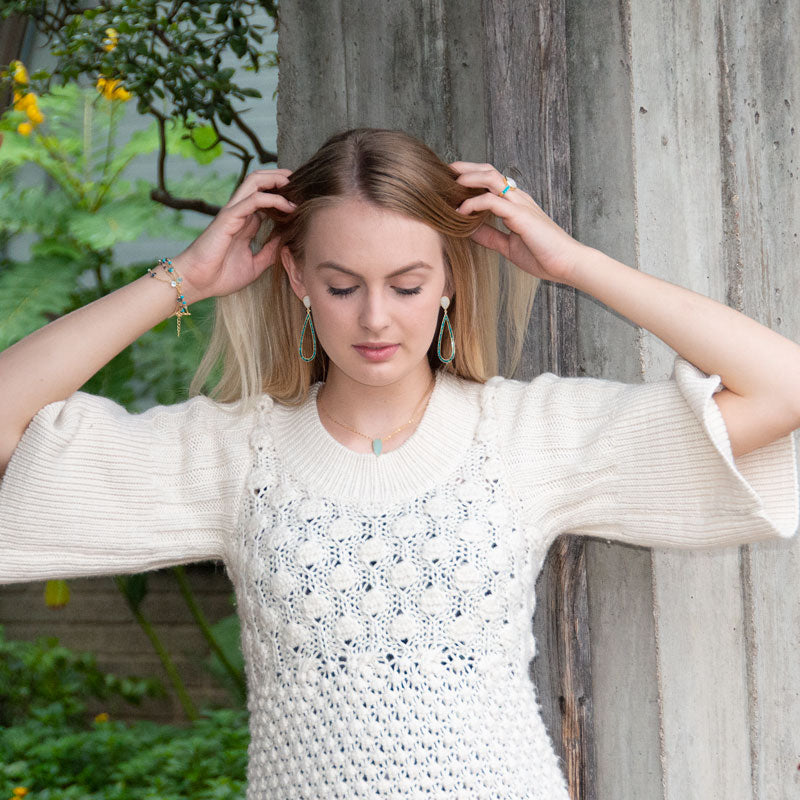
point(374, 312)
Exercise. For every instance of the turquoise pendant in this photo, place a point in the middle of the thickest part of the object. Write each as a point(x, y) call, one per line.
point(377, 446)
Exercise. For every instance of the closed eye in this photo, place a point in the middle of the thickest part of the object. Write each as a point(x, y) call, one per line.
point(350, 289)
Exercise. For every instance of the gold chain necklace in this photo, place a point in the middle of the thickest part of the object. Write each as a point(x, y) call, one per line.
point(377, 442)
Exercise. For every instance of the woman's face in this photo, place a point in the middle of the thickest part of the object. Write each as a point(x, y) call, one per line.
point(375, 279)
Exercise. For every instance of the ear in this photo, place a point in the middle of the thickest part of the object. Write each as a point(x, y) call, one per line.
point(294, 272)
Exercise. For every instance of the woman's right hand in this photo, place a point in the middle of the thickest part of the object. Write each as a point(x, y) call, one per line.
point(219, 261)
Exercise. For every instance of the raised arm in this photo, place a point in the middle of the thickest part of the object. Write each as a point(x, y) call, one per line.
point(56, 360)
point(759, 368)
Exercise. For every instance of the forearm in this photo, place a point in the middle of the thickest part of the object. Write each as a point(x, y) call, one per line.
point(752, 360)
point(56, 360)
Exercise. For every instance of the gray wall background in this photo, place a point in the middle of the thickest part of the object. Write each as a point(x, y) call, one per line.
point(681, 163)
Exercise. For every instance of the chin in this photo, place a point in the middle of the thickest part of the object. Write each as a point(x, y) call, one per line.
point(379, 374)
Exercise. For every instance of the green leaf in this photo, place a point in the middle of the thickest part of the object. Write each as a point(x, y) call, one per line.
point(123, 219)
point(33, 293)
point(189, 141)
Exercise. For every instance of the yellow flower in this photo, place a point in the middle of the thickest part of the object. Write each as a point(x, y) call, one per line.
point(25, 128)
point(35, 115)
point(20, 73)
point(22, 102)
point(19, 791)
point(101, 717)
point(112, 89)
point(110, 42)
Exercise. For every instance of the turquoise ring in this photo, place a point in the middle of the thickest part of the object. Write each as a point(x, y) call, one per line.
point(511, 184)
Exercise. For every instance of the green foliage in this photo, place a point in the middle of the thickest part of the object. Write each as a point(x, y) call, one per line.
point(179, 58)
point(116, 761)
point(166, 49)
point(49, 746)
point(79, 211)
point(48, 684)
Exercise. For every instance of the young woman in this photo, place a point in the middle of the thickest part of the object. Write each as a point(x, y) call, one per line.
point(382, 503)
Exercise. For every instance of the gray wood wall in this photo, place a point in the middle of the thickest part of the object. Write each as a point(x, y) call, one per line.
point(680, 162)
point(683, 131)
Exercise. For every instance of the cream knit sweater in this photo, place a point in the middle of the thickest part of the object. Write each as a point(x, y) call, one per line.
point(386, 602)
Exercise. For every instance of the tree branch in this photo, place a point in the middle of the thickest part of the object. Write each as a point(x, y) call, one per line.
point(161, 194)
point(263, 155)
point(183, 204)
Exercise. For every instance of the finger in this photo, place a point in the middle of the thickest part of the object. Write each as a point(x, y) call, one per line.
point(258, 200)
point(259, 180)
point(495, 183)
point(514, 215)
point(489, 236)
point(276, 171)
point(265, 256)
point(470, 166)
point(263, 183)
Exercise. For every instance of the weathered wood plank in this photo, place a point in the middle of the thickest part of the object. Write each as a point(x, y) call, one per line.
point(625, 691)
point(312, 92)
point(528, 138)
point(758, 54)
point(680, 226)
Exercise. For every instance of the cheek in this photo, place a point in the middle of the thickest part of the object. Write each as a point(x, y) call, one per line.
point(331, 314)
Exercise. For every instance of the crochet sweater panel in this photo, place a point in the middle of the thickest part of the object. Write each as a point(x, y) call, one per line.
point(386, 602)
point(389, 641)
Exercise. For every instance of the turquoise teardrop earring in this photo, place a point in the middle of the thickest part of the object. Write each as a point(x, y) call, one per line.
point(308, 322)
point(445, 303)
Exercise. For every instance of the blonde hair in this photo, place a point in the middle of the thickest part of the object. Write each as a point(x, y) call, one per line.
point(257, 329)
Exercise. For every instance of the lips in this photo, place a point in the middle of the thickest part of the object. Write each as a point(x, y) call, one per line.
point(376, 351)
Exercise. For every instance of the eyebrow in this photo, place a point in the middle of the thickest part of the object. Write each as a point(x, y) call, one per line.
point(340, 268)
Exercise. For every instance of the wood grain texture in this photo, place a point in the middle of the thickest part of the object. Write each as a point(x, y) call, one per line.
point(680, 225)
point(625, 690)
point(757, 53)
point(696, 182)
point(528, 138)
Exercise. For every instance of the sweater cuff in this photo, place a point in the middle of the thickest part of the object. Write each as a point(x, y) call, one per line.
point(767, 476)
point(723, 501)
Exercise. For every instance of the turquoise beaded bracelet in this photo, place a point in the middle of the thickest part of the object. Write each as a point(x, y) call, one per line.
point(174, 280)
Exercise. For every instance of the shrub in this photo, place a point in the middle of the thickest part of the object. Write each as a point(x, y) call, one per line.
point(49, 746)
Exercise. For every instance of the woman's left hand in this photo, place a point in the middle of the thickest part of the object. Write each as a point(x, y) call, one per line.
point(535, 243)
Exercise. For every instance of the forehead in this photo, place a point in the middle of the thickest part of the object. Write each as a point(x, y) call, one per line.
point(358, 234)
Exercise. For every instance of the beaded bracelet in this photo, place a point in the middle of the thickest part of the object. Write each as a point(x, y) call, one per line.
point(173, 279)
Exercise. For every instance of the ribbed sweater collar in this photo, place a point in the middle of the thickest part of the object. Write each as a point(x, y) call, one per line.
point(328, 468)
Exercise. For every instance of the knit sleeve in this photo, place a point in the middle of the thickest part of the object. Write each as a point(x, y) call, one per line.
point(92, 489)
point(647, 464)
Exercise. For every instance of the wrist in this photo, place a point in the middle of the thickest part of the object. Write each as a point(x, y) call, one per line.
point(183, 267)
point(586, 269)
